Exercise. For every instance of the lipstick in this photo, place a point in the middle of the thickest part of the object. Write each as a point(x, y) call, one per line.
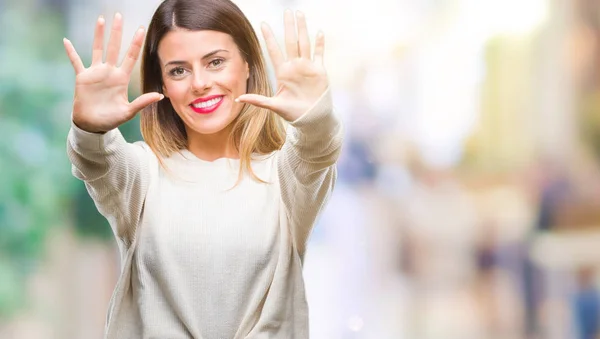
point(207, 105)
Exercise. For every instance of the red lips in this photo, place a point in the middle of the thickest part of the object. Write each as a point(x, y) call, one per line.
point(215, 100)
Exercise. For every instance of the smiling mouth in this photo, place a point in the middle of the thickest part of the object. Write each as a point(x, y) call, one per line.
point(207, 106)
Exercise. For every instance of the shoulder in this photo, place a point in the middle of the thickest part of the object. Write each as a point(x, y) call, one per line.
point(147, 156)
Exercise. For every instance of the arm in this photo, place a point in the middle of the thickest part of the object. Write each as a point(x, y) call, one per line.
point(115, 172)
point(306, 164)
point(306, 167)
point(116, 175)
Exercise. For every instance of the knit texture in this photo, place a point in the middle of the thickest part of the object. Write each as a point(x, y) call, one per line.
point(199, 258)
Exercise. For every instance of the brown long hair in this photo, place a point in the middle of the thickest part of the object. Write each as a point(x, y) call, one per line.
point(255, 130)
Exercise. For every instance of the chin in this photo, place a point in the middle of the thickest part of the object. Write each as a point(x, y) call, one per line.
point(210, 126)
point(213, 123)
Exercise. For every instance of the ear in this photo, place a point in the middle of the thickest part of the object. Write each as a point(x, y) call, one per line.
point(164, 91)
point(247, 71)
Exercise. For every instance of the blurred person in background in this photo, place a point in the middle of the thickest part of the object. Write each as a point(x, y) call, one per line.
point(586, 304)
point(213, 211)
point(486, 257)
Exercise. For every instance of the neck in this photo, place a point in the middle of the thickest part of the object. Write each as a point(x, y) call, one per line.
point(211, 147)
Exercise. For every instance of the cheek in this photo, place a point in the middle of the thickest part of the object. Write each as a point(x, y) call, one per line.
point(235, 80)
point(176, 90)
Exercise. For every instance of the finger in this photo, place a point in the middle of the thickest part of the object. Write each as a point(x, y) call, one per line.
point(73, 56)
point(98, 46)
point(256, 100)
point(303, 39)
point(291, 40)
point(319, 48)
point(114, 42)
point(272, 46)
point(143, 101)
point(134, 51)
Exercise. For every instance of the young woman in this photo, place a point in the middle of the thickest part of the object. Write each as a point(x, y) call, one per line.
point(212, 212)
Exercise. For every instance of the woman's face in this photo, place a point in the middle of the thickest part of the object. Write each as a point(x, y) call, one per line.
point(203, 72)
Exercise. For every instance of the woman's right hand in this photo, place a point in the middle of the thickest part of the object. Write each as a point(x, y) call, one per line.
point(101, 102)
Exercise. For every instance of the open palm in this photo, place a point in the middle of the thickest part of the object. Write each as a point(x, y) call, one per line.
point(101, 102)
point(301, 78)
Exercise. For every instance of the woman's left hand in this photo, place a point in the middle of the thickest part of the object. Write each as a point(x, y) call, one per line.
point(301, 78)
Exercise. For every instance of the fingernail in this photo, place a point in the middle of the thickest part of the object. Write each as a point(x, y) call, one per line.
point(161, 97)
point(237, 100)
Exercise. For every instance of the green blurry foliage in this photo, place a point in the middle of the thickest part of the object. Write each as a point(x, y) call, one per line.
point(37, 191)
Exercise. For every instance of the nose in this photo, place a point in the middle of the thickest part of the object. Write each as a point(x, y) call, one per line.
point(201, 82)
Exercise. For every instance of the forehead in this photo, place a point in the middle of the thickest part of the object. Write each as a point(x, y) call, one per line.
point(185, 44)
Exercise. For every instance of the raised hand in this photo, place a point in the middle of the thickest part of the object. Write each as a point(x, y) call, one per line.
point(301, 78)
point(101, 102)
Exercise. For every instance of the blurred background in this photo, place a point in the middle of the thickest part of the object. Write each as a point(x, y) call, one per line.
point(468, 200)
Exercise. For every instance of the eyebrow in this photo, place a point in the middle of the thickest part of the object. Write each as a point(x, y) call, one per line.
point(206, 56)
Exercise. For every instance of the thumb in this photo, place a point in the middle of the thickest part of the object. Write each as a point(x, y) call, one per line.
point(144, 100)
point(256, 100)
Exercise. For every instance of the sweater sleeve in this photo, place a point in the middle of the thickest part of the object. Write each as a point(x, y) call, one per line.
point(116, 175)
point(307, 166)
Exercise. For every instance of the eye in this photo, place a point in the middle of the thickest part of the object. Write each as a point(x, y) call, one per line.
point(177, 71)
point(216, 63)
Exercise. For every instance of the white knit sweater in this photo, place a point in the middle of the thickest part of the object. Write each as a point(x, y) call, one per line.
point(201, 260)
